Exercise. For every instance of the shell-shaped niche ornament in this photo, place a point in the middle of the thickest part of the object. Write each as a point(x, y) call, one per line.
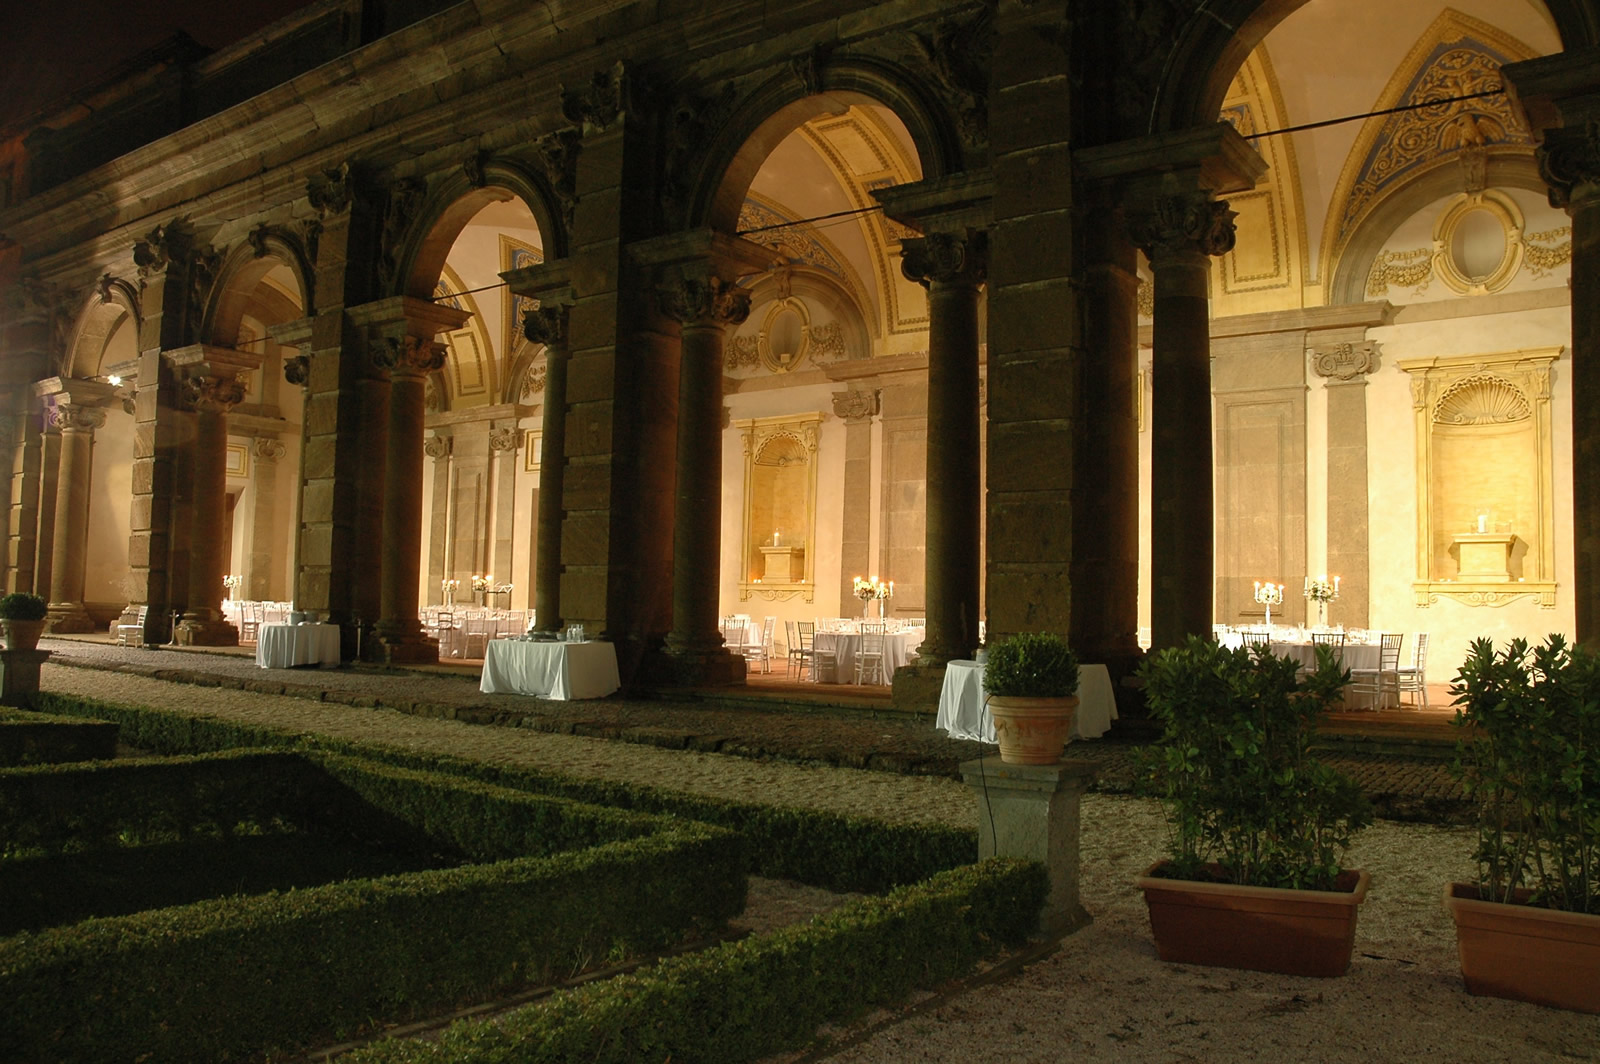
point(1482, 399)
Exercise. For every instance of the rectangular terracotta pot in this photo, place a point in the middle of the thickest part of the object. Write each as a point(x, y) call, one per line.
point(1525, 953)
point(1266, 929)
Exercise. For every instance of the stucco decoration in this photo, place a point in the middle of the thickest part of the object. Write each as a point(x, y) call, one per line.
point(1485, 477)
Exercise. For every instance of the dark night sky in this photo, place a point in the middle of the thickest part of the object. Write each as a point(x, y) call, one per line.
point(50, 47)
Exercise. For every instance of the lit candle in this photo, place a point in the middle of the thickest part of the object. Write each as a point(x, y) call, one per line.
point(774, 539)
point(1258, 585)
point(1483, 520)
point(1336, 585)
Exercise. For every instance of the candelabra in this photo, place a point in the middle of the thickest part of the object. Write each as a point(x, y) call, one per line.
point(1320, 591)
point(871, 590)
point(449, 587)
point(1269, 595)
point(231, 583)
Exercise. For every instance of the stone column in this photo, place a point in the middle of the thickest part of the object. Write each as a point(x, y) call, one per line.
point(1570, 162)
point(1345, 366)
point(438, 447)
point(952, 268)
point(48, 485)
point(705, 307)
point(212, 386)
point(409, 361)
point(1179, 232)
point(263, 560)
point(77, 410)
point(548, 326)
point(856, 409)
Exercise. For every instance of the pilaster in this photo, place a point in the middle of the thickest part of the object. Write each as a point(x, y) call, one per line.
point(77, 409)
point(857, 408)
point(1345, 366)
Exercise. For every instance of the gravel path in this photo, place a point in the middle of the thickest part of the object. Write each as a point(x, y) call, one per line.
point(1103, 996)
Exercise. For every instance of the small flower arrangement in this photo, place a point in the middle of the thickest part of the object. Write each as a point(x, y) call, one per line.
point(232, 582)
point(1319, 590)
point(449, 586)
point(872, 588)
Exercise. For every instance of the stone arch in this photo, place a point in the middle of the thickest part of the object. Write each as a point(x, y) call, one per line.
point(782, 104)
point(1212, 40)
point(104, 310)
point(241, 274)
point(1348, 275)
point(453, 200)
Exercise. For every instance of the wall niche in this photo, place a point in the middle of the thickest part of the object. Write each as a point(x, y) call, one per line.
point(780, 507)
point(1485, 480)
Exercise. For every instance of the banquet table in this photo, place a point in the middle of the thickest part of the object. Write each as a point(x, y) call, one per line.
point(898, 649)
point(558, 671)
point(283, 646)
point(1354, 655)
point(962, 713)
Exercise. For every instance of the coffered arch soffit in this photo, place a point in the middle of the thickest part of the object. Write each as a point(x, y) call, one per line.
point(1270, 252)
point(1212, 39)
point(784, 102)
point(245, 268)
point(1458, 55)
point(472, 371)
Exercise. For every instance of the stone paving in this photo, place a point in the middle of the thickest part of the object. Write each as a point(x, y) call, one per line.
point(1409, 788)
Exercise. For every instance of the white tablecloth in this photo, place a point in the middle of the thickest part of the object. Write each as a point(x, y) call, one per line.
point(898, 649)
point(283, 646)
point(961, 711)
point(1355, 655)
point(559, 671)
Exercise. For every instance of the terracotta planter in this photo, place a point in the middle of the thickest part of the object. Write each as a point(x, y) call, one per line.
point(1032, 731)
point(22, 635)
point(1525, 953)
point(1266, 929)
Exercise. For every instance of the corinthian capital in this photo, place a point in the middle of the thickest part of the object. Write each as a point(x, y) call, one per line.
point(1346, 362)
point(1183, 223)
point(949, 258)
point(546, 324)
point(408, 356)
point(297, 369)
point(705, 302)
point(1569, 159)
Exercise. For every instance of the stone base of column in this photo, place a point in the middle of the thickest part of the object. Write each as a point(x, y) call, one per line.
point(704, 667)
point(19, 676)
point(205, 632)
point(1031, 811)
point(915, 687)
point(69, 617)
point(402, 647)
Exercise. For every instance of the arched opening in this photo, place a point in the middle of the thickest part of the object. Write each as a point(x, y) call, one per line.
point(481, 478)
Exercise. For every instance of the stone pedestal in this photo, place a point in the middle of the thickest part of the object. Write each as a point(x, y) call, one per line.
point(783, 565)
point(1031, 811)
point(19, 676)
point(1484, 556)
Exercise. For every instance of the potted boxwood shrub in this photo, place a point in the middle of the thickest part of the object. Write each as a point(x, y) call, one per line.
point(22, 616)
point(1529, 928)
point(1032, 680)
point(1258, 825)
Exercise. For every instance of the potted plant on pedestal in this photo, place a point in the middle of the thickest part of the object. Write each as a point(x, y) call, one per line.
point(1253, 878)
point(1032, 680)
point(1529, 928)
point(22, 616)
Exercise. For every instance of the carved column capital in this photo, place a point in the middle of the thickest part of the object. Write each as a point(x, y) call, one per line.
point(547, 324)
point(855, 408)
point(77, 417)
point(408, 356)
point(946, 258)
point(505, 439)
point(596, 106)
point(437, 446)
point(267, 449)
point(1345, 362)
point(705, 302)
point(1568, 160)
point(331, 191)
point(213, 394)
point(1185, 222)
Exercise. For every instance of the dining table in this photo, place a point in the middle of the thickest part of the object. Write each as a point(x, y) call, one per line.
point(844, 645)
point(285, 646)
point(963, 715)
point(555, 670)
point(1354, 654)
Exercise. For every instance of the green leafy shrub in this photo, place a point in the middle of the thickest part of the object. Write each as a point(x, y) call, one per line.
point(1234, 766)
point(21, 606)
point(37, 738)
point(1529, 754)
point(842, 853)
point(1031, 665)
point(748, 999)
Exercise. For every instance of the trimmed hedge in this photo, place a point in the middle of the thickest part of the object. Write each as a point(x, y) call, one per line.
point(28, 738)
point(842, 853)
point(226, 978)
point(748, 999)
